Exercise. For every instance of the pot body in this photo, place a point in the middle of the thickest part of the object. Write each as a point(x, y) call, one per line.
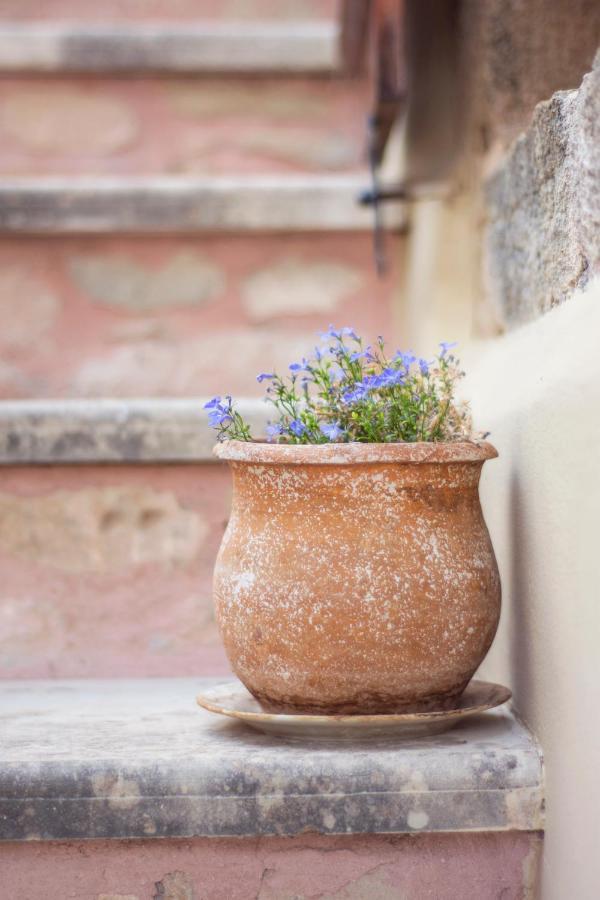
point(356, 578)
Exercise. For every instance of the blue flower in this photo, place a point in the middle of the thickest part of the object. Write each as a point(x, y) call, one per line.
point(265, 376)
point(332, 430)
point(446, 345)
point(273, 430)
point(212, 404)
point(358, 392)
point(339, 333)
point(390, 377)
point(363, 354)
point(300, 367)
point(406, 358)
point(423, 366)
point(217, 417)
point(297, 427)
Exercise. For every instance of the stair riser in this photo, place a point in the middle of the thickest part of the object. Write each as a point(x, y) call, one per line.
point(106, 570)
point(73, 126)
point(171, 10)
point(475, 866)
point(176, 316)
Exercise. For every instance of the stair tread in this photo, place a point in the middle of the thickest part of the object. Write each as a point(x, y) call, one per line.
point(101, 204)
point(284, 47)
point(108, 430)
point(136, 758)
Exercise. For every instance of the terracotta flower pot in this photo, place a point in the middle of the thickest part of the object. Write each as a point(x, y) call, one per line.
point(356, 578)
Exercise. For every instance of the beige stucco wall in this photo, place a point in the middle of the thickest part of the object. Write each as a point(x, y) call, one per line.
point(538, 391)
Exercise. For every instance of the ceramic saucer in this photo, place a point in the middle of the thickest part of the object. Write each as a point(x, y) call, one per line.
point(233, 700)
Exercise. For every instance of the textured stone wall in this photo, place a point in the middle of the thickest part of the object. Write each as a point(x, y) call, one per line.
point(515, 54)
point(543, 233)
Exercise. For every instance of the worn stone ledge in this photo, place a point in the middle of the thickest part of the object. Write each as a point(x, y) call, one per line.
point(183, 204)
point(257, 47)
point(98, 431)
point(138, 758)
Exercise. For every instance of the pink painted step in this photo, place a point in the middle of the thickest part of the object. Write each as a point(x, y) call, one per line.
point(177, 315)
point(107, 569)
point(193, 126)
point(373, 867)
point(169, 10)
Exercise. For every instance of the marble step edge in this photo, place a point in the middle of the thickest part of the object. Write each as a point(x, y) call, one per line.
point(136, 758)
point(172, 204)
point(145, 430)
point(267, 47)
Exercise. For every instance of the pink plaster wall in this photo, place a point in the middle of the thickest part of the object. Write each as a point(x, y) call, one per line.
point(80, 607)
point(84, 347)
point(169, 10)
point(424, 867)
point(174, 126)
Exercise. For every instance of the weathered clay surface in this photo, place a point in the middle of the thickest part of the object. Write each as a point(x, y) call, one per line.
point(356, 578)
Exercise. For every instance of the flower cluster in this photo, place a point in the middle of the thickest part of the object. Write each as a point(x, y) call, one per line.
point(346, 391)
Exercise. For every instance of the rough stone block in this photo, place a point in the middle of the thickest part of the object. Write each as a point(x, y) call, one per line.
point(544, 207)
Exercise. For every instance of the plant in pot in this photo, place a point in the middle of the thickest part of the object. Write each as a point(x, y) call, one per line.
point(356, 574)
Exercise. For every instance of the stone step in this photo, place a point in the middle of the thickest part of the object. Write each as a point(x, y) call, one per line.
point(254, 47)
point(111, 514)
point(88, 764)
point(101, 205)
point(181, 126)
point(157, 315)
point(157, 430)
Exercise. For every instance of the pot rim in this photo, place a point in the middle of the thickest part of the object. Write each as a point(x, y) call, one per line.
point(355, 453)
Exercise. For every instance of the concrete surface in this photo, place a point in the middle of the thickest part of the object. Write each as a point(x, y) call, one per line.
point(138, 758)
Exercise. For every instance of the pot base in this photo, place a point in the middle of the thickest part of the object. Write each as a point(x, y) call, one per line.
point(234, 701)
point(363, 705)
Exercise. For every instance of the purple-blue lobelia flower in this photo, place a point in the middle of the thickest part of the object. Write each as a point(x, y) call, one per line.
point(363, 354)
point(303, 366)
point(297, 427)
point(332, 430)
point(447, 345)
point(357, 392)
point(391, 377)
point(265, 376)
point(407, 358)
point(339, 333)
point(423, 366)
point(219, 411)
point(273, 431)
